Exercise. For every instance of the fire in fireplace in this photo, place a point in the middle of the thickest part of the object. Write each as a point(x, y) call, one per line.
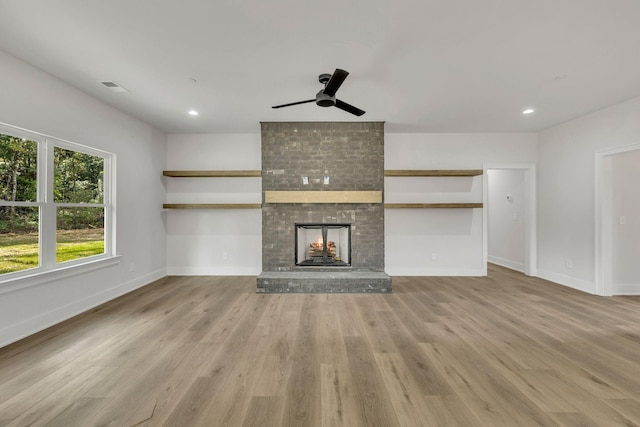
point(321, 245)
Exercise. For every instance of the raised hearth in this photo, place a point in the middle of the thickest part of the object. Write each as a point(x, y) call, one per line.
point(324, 282)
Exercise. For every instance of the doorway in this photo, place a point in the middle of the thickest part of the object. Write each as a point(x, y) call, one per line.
point(509, 236)
point(618, 221)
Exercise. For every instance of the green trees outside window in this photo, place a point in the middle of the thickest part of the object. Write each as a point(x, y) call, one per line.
point(18, 183)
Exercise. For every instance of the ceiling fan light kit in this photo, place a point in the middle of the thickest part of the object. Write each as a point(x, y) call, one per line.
point(327, 96)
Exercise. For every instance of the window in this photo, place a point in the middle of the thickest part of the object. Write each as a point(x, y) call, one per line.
point(55, 203)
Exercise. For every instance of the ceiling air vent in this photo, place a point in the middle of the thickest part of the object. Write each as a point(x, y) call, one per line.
point(115, 87)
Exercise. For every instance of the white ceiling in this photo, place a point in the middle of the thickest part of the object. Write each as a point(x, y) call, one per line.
point(418, 65)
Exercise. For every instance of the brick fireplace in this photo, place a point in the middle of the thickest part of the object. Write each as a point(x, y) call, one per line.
point(323, 173)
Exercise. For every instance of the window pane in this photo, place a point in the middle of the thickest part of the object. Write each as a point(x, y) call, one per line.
point(80, 233)
point(18, 238)
point(78, 177)
point(18, 169)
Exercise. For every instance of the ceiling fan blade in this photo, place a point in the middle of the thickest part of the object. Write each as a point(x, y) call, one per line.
point(335, 82)
point(294, 103)
point(349, 108)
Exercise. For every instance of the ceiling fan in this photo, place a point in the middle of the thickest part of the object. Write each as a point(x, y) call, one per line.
point(327, 96)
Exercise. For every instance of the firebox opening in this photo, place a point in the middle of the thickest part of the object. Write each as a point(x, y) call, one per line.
point(320, 245)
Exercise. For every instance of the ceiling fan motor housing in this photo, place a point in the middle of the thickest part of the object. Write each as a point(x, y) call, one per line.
point(324, 100)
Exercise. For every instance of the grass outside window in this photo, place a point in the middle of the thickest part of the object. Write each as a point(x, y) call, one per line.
point(20, 251)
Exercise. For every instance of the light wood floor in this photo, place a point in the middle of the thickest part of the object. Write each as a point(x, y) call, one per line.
point(506, 350)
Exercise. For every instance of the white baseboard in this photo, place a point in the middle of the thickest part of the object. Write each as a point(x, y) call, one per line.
point(571, 282)
point(513, 265)
point(213, 271)
point(626, 289)
point(27, 327)
point(435, 272)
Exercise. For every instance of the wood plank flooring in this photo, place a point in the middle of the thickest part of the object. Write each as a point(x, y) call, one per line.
point(503, 350)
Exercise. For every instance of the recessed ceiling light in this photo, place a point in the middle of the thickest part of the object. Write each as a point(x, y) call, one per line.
point(528, 111)
point(193, 113)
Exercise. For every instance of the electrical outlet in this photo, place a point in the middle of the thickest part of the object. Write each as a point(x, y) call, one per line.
point(569, 264)
point(434, 256)
point(132, 266)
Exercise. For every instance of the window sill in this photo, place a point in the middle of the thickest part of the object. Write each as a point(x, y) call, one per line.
point(62, 271)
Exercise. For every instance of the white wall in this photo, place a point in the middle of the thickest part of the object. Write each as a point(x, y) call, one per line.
point(626, 225)
point(38, 102)
point(506, 217)
point(443, 241)
point(566, 190)
point(214, 241)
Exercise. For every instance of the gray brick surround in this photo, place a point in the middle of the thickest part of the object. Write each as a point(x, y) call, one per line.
point(352, 155)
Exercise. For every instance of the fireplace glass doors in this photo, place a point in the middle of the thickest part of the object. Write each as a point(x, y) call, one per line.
point(319, 245)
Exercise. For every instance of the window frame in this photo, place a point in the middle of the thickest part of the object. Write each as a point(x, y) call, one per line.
point(48, 268)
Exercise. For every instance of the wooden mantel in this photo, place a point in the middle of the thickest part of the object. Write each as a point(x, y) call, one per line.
point(323, 196)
